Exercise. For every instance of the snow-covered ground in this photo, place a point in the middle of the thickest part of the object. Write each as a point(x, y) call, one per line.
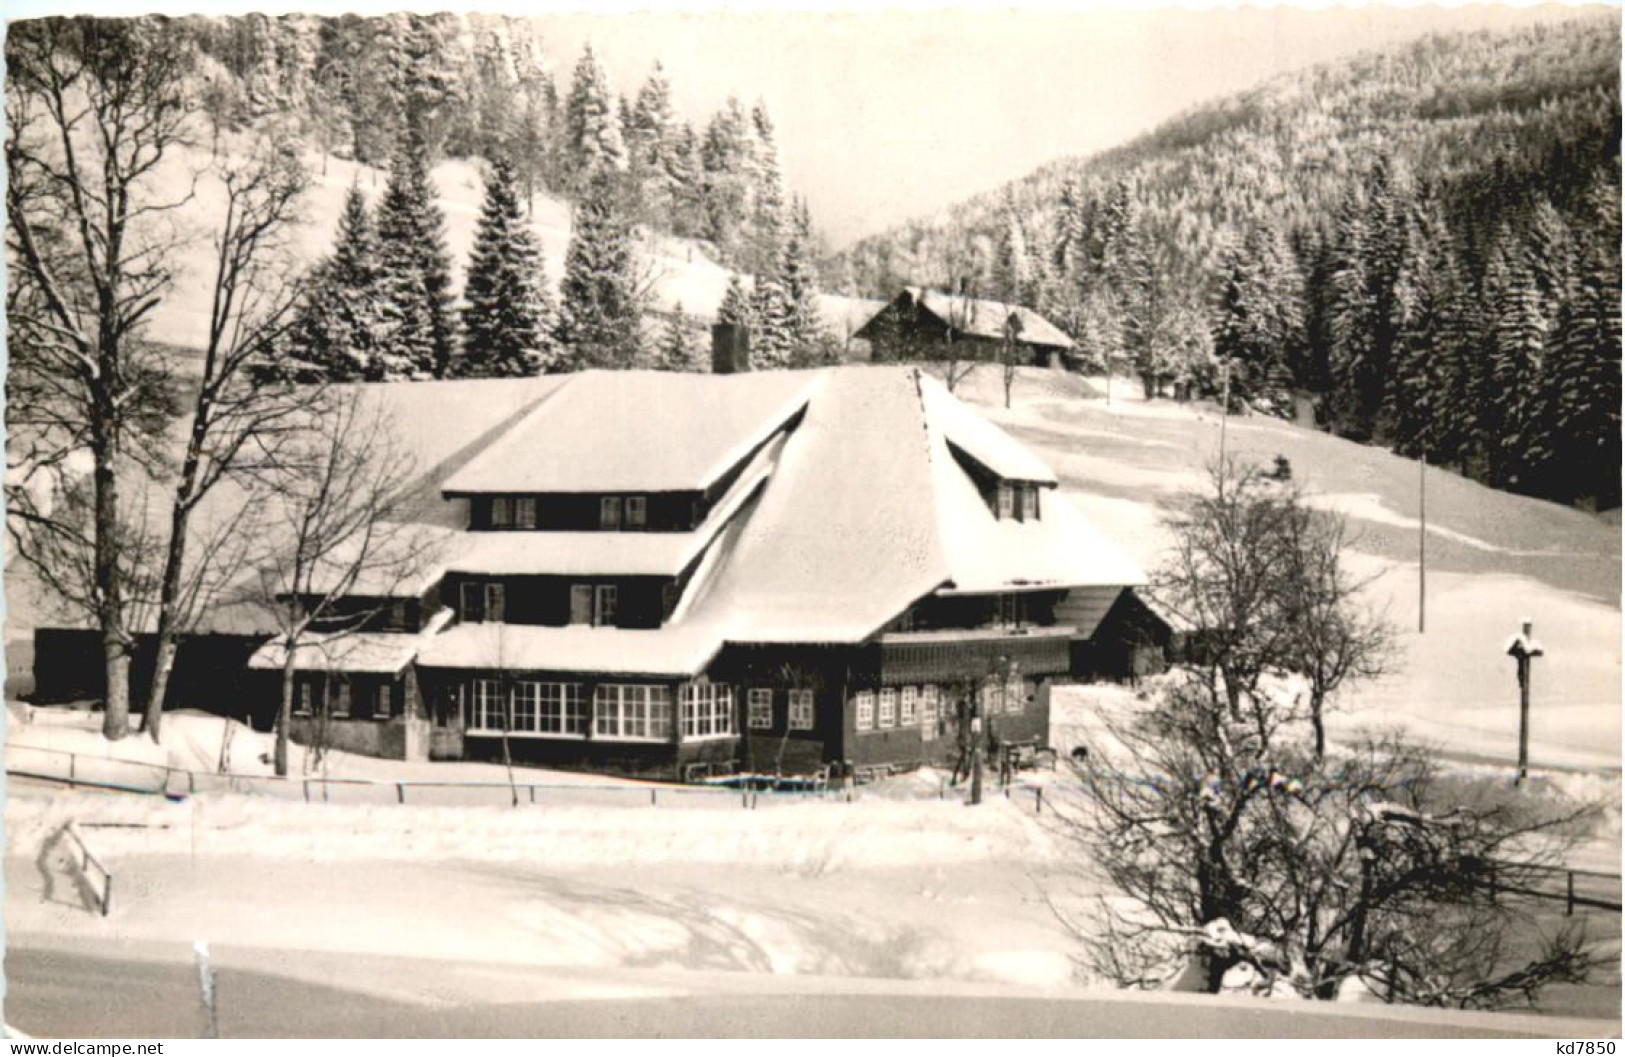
point(1493, 559)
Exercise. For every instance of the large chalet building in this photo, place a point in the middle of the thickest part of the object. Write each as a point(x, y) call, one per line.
point(923, 324)
point(678, 575)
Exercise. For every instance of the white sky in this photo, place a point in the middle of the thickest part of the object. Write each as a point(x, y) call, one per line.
point(889, 113)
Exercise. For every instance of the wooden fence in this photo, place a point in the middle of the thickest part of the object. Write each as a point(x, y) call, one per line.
point(89, 867)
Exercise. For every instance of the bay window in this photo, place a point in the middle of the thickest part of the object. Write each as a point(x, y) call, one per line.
point(489, 711)
point(628, 712)
point(708, 710)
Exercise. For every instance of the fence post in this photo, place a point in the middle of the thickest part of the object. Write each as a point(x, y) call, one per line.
point(400, 792)
point(107, 892)
point(1040, 808)
point(1570, 911)
point(533, 792)
point(306, 784)
point(191, 782)
point(653, 798)
point(72, 775)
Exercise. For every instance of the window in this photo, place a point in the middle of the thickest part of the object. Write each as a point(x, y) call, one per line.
point(525, 512)
point(888, 708)
point(1007, 501)
point(637, 511)
point(472, 609)
point(1015, 695)
point(864, 703)
point(397, 615)
point(990, 693)
point(1011, 611)
point(525, 696)
point(502, 512)
point(1033, 510)
point(382, 701)
point(928, 714)
point(488, 710)
point(801, 710)
point(341, 699)
point(581, 603)
point(609, 512)
point(761, 708)
point(306, 702)
point(605, 600)
point(708, 710)
point(494, 603)
point(910, 697)
point(562, 710)
point(632, 713)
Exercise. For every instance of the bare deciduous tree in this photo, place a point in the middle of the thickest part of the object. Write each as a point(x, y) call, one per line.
point(238, 421)
point(334, 535)
point(94, 108)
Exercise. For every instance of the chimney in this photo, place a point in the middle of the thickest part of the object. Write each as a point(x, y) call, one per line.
point(730, 349)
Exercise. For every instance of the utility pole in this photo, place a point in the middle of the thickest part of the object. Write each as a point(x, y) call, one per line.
point(1422, 546)
point(1523, 648)
point(1224, 409)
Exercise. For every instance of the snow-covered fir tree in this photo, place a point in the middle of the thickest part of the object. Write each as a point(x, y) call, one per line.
point(677, 348)
point(737, 308)
point(600, 303)
point(341, 316)
point(414, 270)
point(593, 143)
point(508, 322)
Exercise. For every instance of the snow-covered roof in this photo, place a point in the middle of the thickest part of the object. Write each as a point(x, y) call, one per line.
point(623, 553)
point(980, 439)
point(357, 653)
point(676, 651)
point(983, 318)
point(868, 511)
point(636, 431)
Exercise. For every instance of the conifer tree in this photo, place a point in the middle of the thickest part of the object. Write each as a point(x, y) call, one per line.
point(1516, 348)
point(1580, 456)
point(414, 270)
point(600, 303)
point(507, 326)
point(676, 344)
point(737, 308)
point(593, 141)
point(338, 327)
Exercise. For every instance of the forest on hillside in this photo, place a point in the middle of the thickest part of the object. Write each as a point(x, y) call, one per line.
point(1425, 239)
point(401, 91)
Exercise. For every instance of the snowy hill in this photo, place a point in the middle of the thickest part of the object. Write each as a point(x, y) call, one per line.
point(1492, 559)
point(681, 271)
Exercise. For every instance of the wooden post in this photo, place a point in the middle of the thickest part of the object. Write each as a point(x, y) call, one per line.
point(400, 792)
point(1570, 911)
point(72, 770)
point(306, 784)
point(1040, 808)
point(533, 792)
point(653, 802)
point(107, 893)
point(1422, 547)
point(1524, 649)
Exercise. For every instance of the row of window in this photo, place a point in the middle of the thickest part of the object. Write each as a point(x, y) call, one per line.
point(620, 711)
point(1017, 502)
point(380, 700)
point(628, 712)
point(921, 706)
point(759, 709)
point(595, 604)
point(614, 512)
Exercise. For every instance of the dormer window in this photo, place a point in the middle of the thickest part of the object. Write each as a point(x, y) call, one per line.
point(609, 512)
point(1016, 501)
point(502, 512)
point(616, 512)
point(637, 511)
point(525, 512)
